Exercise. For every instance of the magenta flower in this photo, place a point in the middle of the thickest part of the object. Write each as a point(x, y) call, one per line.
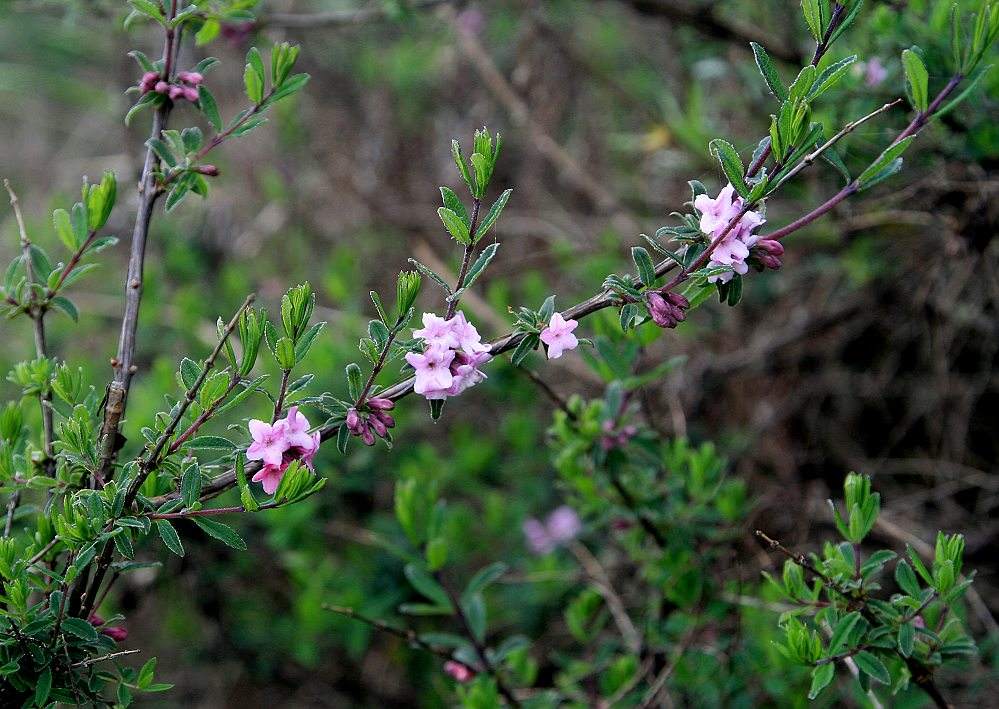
point(269, 441)
point(433, 371)
point(148, 81)
point(874, 72)
point(116, 633)
point(558, 336)
point(437, 331)
point(269, 477)
point(297, 431)
point(192, 78)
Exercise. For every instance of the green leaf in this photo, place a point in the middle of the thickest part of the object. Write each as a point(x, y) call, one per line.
point(221, 531)
point(480, 264)
point(828, 78)
point(355, 380)
point(81, 629)
point(769, 71)
point(906, 579)
point(162, 151)
point(209, 31)
point(43, 685)
point(253, 84)
point(432, 275)
point(870, 665)
point(63, 227)
point(190, 484)
point(813, 17)
point(821, 677)
point(883, 162)
point(454, 203)
point(256, 62)
point(841, 633)
point(493, 214)
point(484, 577)
point(427, 586)
point(906, 639)
point(209, 107)
point(211, 443)
point(916, 80)
point(731, 164)
point(66, 305)
point(475, 612)
point(646, 268)
point(455, 226)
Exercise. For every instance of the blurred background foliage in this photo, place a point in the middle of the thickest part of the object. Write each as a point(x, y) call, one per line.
point(874, 349)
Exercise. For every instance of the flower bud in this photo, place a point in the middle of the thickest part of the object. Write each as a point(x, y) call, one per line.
point(148, 81)
point(161, 87)
point(353, 420)
point(208, 170)
point(191, 78)
point(378, 427)
point(367, 436)
point(175, 92)
point(668, 311)
point(458, 671)
point(384, 418)
point(381, 404)
point(190, 93)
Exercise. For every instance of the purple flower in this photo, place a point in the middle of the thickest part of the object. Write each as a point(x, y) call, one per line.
point(433, 369)
point(117, 634)
point(667, 310)
point(768, 252)
point(191, 78)
point(558, 336)
point(467, 336)
point(278, 444)
point(538, 539)
point(148, 81)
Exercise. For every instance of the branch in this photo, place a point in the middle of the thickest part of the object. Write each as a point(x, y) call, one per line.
point(123, 364)
point(406, 634)
point(339, 18)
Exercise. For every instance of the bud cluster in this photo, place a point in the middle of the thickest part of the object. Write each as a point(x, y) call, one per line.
point(376, 421)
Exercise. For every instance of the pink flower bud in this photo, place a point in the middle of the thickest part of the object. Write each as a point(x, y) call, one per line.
point(175, 92)
point(161, 87)
point(148, 81)
point(771, 246)
point(678, 300)
point(381, 404)
point(458, 671)
point(208, 170)
point(384, 418)
point(367, 436)
point(116, 634)
point(353, 420)
point(192, 78)
point(190, 93)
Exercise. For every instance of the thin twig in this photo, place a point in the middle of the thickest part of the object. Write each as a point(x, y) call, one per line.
point(406, 634)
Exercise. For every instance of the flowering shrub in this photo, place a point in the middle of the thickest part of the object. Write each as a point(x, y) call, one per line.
point(81, 497)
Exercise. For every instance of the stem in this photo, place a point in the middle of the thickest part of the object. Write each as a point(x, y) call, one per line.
point(73, 262)
point(912, 129)
point(406, 634)
point(282, 393)
point(466, 257)
point(203, 417)
point(480, 649)
point(212, 512)
point(362, 397)
point(556, 398)
point(124, 367)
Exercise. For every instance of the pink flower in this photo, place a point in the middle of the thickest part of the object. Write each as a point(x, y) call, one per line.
point(558, 336)
point(269, 441)
point(538, 539)
point(716, 215)
point(437, 331)
point(297, 430)
point(433, 371)
point(467, 336)
point(269, 477)
point(563, 524)
point(459, 672)
point(561, 527)
point(874, 72)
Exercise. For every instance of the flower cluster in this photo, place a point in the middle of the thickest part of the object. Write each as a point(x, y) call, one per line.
point(558, 336)
point(377, 421)
point(450, 362)
point(277, 444)
point(187, 89)
point(561, 527)
point(767, 254)
point(733, 250)
point(616, 438)
point(667, 309)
